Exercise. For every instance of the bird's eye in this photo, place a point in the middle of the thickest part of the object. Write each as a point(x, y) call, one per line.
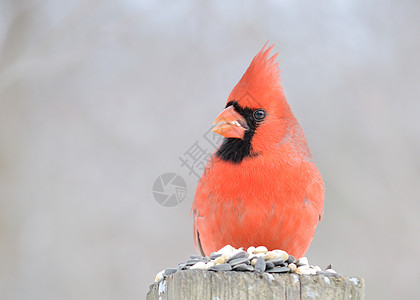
point(260, 114)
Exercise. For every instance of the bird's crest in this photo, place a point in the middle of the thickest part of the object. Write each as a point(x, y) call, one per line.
point(260, 82)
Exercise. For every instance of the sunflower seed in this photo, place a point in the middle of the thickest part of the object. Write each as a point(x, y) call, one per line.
point(192, 262)
point(277, 261)
point(326, 273)
point(222, 267)
point(240, 260)
point(215, 255)
point(243, 268)
point(268, 265)
point(279, 270)
point(291, 259)
point(254, 259)
point(181, 266)
point(260, 264)
point(169, 271)
point(240, 254)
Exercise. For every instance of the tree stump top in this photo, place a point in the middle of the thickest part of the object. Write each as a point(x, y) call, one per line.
point(202, 284)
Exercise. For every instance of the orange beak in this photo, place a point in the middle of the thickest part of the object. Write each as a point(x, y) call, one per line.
point(232, 124)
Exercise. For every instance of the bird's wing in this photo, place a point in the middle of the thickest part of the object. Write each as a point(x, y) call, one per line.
point(196, 233)
point(200, 196)
point(314, 193)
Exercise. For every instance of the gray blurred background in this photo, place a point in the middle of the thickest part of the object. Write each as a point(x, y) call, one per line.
point(99, 98)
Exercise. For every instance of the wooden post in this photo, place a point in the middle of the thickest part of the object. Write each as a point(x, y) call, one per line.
point(201, 284)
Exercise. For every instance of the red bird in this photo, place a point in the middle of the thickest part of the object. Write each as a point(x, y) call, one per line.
point(260, 187)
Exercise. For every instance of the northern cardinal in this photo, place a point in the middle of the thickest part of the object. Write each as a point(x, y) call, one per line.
point(261, 186)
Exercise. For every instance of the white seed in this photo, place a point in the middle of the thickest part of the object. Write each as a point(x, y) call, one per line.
point(251, 250)
point(253, 262)
point(229, 255)
point(226, 249)
point(221, 259)
point(318, 268)
point(236, 123)
point(201, 265)
point(292, 267)
point(302, 268)
point(303, 261)
point(261, 249)
point(259, 255)
point(210, 264)
point(305, 270)
point(331, 271)
point(270, 255)
point(281, 254)
point(159, 276)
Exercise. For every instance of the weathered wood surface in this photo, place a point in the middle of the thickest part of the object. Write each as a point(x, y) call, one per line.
point(200, 284)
